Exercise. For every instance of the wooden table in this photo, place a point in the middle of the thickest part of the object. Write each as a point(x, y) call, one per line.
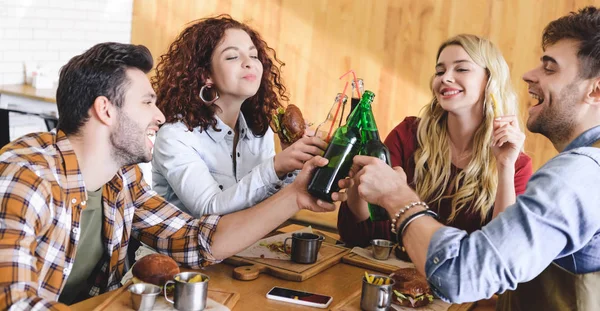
point(339, 281)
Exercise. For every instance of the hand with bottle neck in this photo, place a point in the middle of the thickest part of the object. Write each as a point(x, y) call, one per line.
point(380, 184)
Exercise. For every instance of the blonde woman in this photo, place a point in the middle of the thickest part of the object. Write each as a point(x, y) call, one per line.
point(460, 156)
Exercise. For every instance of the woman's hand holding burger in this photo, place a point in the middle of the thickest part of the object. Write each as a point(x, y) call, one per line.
point(297, 147)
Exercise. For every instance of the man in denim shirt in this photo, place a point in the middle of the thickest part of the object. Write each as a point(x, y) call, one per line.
point(547, 245)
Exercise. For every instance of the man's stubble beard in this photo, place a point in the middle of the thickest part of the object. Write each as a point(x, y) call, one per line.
point(127, 148)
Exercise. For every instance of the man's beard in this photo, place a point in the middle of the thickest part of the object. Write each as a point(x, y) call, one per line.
point(127, 147)
point(556, 121)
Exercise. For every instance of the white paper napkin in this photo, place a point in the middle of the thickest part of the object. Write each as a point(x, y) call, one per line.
point(392, 260)
point(260, 250)
point(436, 305)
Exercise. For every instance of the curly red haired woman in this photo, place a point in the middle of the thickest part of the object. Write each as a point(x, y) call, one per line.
point(218, 86)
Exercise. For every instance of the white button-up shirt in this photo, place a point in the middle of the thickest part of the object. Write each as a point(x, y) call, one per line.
point(194, 170)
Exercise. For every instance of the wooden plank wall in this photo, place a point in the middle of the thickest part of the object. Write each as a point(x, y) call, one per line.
point(389, 43)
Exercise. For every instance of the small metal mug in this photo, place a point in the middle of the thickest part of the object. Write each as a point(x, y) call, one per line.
point(305, 247)
point(381, 249)
point(143, 296)
point(376, 297)
point(188, 296)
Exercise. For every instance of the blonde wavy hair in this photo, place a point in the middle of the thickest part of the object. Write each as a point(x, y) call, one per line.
point(433, 160)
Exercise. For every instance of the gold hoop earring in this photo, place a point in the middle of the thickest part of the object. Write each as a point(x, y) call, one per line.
point(202, 89)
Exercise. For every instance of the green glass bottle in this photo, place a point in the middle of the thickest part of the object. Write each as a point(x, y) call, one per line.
point(371, 145)
point(345, 144)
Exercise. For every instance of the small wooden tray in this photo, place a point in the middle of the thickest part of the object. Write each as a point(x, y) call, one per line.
point(360, 261)
point(250, 268)
point(352, 303)
point(121, 299)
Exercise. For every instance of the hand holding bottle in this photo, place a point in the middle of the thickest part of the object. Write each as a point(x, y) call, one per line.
point(304, 199)
point(294, 156)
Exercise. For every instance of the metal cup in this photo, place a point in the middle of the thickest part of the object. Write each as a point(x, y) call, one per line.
point(305, 247)
point(381, 249)
point(188, 296)
point(376, 297)
point(143, 296)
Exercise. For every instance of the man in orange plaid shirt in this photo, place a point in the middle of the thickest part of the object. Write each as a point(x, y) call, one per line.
point(71, 199)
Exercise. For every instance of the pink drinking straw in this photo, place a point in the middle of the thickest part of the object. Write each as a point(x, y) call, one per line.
point(355, 81)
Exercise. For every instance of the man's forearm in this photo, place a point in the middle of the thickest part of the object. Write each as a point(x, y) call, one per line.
point(416, 239)
point(236, 231)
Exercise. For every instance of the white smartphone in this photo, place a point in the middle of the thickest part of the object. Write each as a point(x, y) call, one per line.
point(299, 297)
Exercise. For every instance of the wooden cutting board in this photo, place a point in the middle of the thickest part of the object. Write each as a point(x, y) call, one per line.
point(121, 299)
point(352, 303)
point(250, 268)
point(360, 261)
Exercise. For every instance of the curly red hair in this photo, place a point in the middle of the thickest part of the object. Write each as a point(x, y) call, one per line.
point(180, 75)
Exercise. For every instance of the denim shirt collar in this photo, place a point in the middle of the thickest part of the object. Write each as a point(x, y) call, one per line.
point(586, 138)
point(226, 132)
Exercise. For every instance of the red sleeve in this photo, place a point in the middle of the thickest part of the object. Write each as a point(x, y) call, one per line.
point(401, 143)
point(523, 170)
point(360, 233)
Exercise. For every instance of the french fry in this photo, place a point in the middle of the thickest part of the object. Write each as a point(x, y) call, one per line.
point(196, 279)
point(369, 278)
point(495, 106)
point(388, 281)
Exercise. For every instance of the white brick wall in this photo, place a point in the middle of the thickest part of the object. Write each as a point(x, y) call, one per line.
point(50, 32)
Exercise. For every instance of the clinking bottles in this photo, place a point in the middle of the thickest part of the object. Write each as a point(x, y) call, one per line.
point(345, 144)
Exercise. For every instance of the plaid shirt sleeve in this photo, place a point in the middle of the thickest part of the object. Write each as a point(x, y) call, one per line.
point(24, 216)
point(164, 227)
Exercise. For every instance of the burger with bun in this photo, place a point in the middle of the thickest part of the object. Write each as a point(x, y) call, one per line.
point(289, 124)
point(411, 289)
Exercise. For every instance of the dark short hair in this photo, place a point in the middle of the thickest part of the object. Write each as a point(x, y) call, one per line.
point(583, 26)
point(99, 71)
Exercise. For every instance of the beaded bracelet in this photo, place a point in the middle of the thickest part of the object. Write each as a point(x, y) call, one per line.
point(404, 210)
point(410, 219)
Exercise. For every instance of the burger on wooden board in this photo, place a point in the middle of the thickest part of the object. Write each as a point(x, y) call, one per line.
point(411, 288)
